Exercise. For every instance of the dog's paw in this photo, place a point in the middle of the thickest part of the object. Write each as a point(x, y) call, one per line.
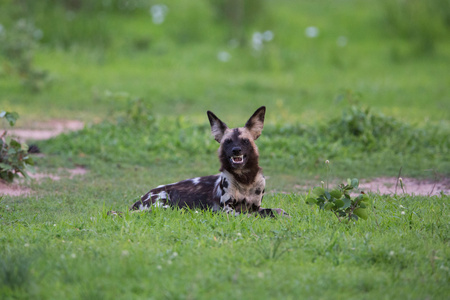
point(114, 213)
point(281, 212)
point(272, 212)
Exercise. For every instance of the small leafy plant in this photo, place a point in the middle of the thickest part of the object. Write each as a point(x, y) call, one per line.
point(340, 202)
point(14, 158)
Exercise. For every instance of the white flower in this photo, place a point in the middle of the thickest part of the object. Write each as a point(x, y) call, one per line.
point(73, 255)
point(257, 41)
point(159, 267)
point(125, 253)
point(391, 253)
point(267, 35)
point(26, 245)
point(403, 212)
point(223, 56)
point(312, 31)
point(342, 41)
point(158, 12)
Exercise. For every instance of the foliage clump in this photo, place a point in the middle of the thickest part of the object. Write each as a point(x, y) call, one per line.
point(14, 158)
point(340, 202)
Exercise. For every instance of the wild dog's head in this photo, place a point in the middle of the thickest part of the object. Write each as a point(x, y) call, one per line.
point(238, 152)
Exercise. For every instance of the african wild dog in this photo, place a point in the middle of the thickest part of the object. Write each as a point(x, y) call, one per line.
point(238, 188)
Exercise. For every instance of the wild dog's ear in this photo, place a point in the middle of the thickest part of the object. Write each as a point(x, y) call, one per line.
point(256, 122)
point(217, 126)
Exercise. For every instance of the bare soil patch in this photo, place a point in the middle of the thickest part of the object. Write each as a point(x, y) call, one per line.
point(60, 173)
point(19, 188)
point(13, 189)
point(46, 130)
point(390, 186)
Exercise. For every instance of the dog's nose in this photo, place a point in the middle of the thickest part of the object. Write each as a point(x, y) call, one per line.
point(236, 150)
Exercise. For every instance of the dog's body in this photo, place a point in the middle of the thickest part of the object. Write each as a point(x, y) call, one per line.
point(240, 186)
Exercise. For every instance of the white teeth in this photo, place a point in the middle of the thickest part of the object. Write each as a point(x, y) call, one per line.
point(237, 159)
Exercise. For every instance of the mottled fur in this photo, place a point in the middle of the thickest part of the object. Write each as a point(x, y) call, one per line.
point(240, 186)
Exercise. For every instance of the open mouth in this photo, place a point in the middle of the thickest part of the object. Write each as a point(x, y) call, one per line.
point(237, 159)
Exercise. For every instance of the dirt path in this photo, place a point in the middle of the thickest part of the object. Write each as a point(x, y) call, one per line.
point(46, 130)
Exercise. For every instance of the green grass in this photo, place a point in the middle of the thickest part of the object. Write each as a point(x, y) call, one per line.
point(143, 91)
point(66, 247)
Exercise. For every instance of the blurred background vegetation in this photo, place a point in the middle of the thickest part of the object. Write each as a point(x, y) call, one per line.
point(298, 57)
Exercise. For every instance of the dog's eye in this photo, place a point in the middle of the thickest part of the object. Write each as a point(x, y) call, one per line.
point(227, 141)
point(245, 141)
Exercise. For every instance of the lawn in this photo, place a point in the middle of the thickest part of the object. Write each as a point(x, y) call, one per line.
point(366, 90)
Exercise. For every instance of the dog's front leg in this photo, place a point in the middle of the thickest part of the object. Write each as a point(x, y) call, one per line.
point(230, 210)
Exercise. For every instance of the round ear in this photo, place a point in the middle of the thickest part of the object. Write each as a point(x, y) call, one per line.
point(256, 122)
point(217, 126)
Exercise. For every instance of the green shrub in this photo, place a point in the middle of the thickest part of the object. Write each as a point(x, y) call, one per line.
point(340, 202)
point(14, 158)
